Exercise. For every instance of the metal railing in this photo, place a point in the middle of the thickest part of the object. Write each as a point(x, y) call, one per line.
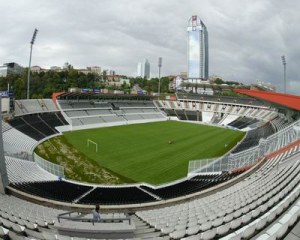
point(250, 156)
point(197, 164)
point(81, 218)
point(49, 166)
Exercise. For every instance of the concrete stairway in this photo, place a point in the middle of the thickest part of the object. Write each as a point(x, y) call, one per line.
point(144, 231)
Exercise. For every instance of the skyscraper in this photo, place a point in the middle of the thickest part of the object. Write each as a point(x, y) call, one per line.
point(143, 69)
point(197, 49)
point(139, 70)
point(146, 68)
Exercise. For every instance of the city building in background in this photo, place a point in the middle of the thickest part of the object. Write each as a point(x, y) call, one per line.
point(10, 69)
point(262, 86)
point(139, 70)
point(146, 72)
point(197, 49)
point(183, 74)
point(37, 69)
point(94, 69)
point(56, 68)
point(143, 69)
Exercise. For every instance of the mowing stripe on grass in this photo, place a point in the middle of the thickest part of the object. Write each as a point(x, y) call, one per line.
point(154, 152)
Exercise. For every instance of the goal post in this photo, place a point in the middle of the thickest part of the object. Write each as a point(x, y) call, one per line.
point(89, 142)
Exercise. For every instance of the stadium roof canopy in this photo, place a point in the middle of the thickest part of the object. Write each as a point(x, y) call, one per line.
point(287, 100)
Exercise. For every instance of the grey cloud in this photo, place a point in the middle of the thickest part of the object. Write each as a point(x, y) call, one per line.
point(246, 38)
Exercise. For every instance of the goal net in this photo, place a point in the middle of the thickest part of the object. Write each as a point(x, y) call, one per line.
point(89, 143)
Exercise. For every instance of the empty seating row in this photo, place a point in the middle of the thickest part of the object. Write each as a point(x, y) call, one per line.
point(38, 126)
point(118, 195)
point(64, 104)
point(53, 119)
point(242, 122)
point(195, 184)
point(18, 140)
point(280, 227)
point(139, 110)
point(19, 171)
point(69, 192)
point(226, 99)
point(253, 137)
point(134, 104)
point(29, 106)
point(91, 112)
point(19, 124)
point(280, 156)
point(27, 211)
point(279, 123)
point(217, 111)
point(227, 210)
point(103, 195)
point(82, 104)
point(5, 126)
point(112, 118)
point(55, 190)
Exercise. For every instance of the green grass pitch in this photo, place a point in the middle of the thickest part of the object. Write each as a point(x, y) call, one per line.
point(153, 152)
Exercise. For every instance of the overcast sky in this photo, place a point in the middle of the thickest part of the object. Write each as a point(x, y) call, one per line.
point(246, 38)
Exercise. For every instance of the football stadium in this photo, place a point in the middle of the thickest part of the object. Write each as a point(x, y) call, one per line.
point(194, 167)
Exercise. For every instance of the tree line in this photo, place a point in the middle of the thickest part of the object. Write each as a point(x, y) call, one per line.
point(43, 84)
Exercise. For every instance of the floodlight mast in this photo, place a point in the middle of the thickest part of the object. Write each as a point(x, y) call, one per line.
point(159, 70)
point(28, 77)
point(284, 72)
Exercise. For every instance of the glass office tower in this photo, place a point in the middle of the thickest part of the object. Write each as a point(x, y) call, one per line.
point(143, 69)
point(197, 49)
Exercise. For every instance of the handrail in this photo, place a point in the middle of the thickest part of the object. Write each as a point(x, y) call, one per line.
point(80, 219)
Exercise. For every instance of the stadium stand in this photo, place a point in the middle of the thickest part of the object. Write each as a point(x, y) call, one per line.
point(80, 113)
point(253, 137)
point(38, 126)
point(56, 190)
point(53, 119)
point(247, 209)
point(20, 171)
point(133, 104)
point(5, 127)
point(245, 201)
point(262, 203)
point(279, 123)
point(195, 184)
point(232, 211)
point(82, 104)
point(242, 122)
point(207, 117)
point(22, 219)
point(105, 195)
point(193, 115)
point(18, 140)
point(118, 195)
point(30, 106)
point(21, 125)
point(222, 99)
point(216, 112)
point(249, 156)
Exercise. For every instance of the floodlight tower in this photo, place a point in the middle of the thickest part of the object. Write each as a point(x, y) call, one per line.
point(159, 70)
point(31, 44)
point(284, 72)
